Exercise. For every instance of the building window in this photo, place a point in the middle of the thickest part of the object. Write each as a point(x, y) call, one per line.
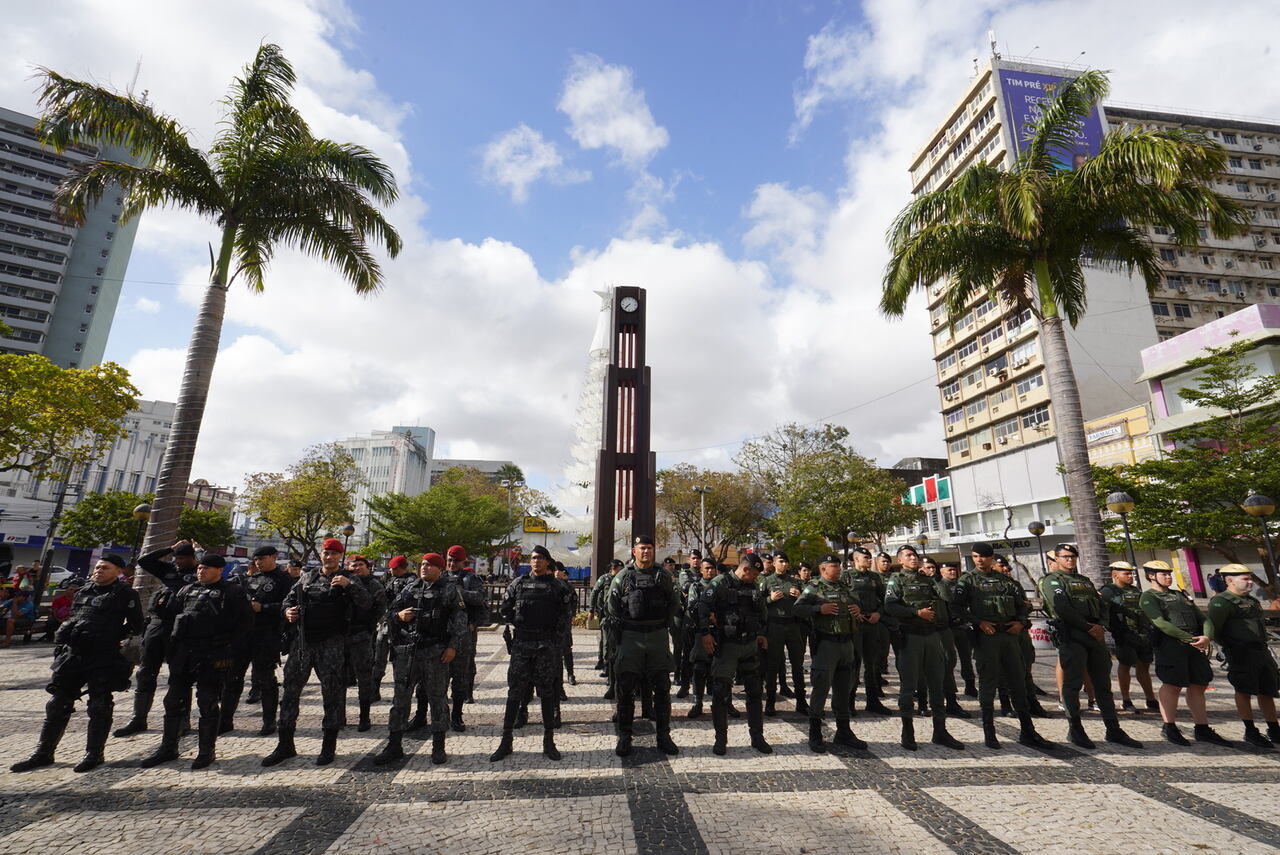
point(1006, 428)
point(953, 416)
point(959, 446)
point(1181, 310)
point(951, 389)
point(973, 408)
point(88, 309)
point(1206, 258)
point(1228, 139)
point(1161, 230)
point(1034, 381)
point(1273, 291)
point(79, 347)
point(1165, 335)
point(991, 335)
point(973, 377)
point(1038, 416)
point(968, 348)
point(1254, 163)
point(1265, 264)
point(151, 485)
point(1236, 162)
point(1168, 255)
point(948, 518)
point(933, 519)
point(118, 481)
point(133, 482)
point(1001, 395)
point(1160, 309)
point(1242, 186)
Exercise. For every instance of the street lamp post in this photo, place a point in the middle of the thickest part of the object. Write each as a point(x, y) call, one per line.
point(849, 540)
point(142, 513)
point(347, 530)
point(804, 546)
point(1260, 507)
point(922, 540)
point(1122, 504)
point(1037, 529)
point(702, 491)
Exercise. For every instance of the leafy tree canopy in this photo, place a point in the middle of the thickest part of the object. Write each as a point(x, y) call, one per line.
point(313, 496)
point(735, 507)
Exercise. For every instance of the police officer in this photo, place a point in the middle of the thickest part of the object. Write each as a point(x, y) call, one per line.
point(912, 598)
point(786, 635)
point(884, 566)
point(949, 573)
point(393, 582)
point(1238, 625)
point(429, 628)
point(321, 604)
point(539, 607)
point(1028, 659)
point(566, 650)
point(1181, 652)
point(834, 612)
point(361, 630)
point(642, 600)
point(732, 622)
point(699, 660)
point(462, 670)
point(599, 595)
point(209, 616)
point(993, 610)
point(868, 588)
point(1131, 633)
point(86, 656)
point(172, 575)
point(266, 584)
point(1078, 619)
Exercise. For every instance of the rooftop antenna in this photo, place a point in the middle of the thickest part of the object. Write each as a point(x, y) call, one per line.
point(991, 38)
point(1033, 50)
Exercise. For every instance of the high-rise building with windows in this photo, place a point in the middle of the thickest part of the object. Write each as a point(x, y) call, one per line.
point(59, 284)
point(997, 416)
point(391, 461)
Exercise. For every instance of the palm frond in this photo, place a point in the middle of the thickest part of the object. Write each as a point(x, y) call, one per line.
point(142, 187)
point(331, 242)
point(1060, 117)
point(1125, 248)
point(972, 195)
point(968, 257)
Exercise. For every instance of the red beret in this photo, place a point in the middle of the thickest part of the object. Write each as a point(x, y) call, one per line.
point(434, 559)
point(398, 562)
point(358, 558)
point(333, 545)
point(457, 553)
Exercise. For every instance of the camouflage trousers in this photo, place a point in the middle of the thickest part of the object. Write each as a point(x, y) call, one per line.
point(327, 657)
point(359, 665)
point(534, 664)
point(420, 672)
point(462, 670)
point(381, 655)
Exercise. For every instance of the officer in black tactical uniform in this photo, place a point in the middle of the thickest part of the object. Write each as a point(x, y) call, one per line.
point(699, 660)
point(732, 626)
point(462, 670)
point(321, 604)
point(429, 628)
point(396, 578)
point(868, 587)
point(538, 607)
point(266, 584)
point(209, 615)
point(173, 575)
point(642, 601)
point(86, 656)
point(360, 633)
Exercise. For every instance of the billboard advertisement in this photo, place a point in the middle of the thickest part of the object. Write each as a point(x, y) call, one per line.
point(1023, 92)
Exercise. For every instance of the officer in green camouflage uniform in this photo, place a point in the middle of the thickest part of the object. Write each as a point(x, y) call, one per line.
point(786, 635)
point(913, 599)
point(642, 601)
point(1239, 627)
point(1131, 634)
point(1078, 619)
point(686, 575)
point(946, 589)
point(731, 627)
point(949, 572)
point(868, 588)
point(833, 611)
point(993, 610)
point(599, 593)
point(699, 660)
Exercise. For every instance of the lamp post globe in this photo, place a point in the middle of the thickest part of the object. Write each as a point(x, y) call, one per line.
point(141, 513)
point(1036, 528)
point(1260, 507)
point(347, 530)
point(1122, 503)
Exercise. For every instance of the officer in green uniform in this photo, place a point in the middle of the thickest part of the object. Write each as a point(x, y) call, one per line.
point(731, 625)
point(1078, 622)
point(868, 588)
point(686, 575)
point(913, 599)
point(699, 660)
point(643, 600)
point(781, 589)
point(993, 610)
point(832, 609)
point(949, 572)
point(1131, 632)
point(597, 605)
point(1239, 627)
point(1028, 658)
point(946, 589)
point(884, 566)
point(1181, 652)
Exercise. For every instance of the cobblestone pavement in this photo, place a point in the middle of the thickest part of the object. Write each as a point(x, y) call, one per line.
point(883, 800)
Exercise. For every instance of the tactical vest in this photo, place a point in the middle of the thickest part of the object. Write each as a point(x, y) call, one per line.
point(267, 588)
point(867, 587)
point(918, 591)
point(1131, 614)
point(203, 620)
point(1179, 611)
point(738, 610)
point(780, 610)
point(537, 607)
point(97, 618)
point(431, 624)
point(990, 596)
point(1078, 589)
point(842, 623)
point(325, 609)
point(646, 599)
point(1246, 626)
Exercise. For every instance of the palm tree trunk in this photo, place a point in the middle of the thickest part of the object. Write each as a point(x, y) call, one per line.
point(175, 470)
point(1073, 451)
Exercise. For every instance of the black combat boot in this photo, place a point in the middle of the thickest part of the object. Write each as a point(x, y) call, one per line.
point(845, 736)
point(908, 733)
point(1028, 736)
point(1254, 737)
point(573, 681)
point(209, 730)
point(783, 689)
point(95, 743)
point(874, 704)
point(438, 754)
point(816, 744)
point(755, 726)
point(989, 737)
point(940, 735)
point(328, 747)
point(365, 723)
point(419, 719)
point(802, 705)
point(137, 724)
point(734, 712)
point(684, 690)
point(1273, 732)
point(270, 704)
point(456, 721)
point(1205, 733)
point(1171, 733)
point(1119, 737)
point(771, 699)
point(719, 723)
point(626, 716)
point(254, 695)
point(168, 749)
point(662, 723)
point(970, 688)
point(227, 719)
point(954, 709)
point(284, 748)
point(549, 749)
point(50, 735)
point(1075, 733)
point(1006, 705)
point(1153, 705)
point(610, 692)
point(1037, 711)
point(505, 746)
point(522, 716)
point(394, 750)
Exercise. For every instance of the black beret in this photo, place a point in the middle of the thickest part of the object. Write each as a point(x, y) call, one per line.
point(542, 552)
point(643, 540)
point(295, 562)
point(616, 563)
point(782, 555)
point(831, 559)
point(695, 553)
point(862, 550)
point(112, 558)
point(905, 548)
point(185, 549)
point(984, 550)
point(264, 551)
point(208, 559)
point(1066, 547)
point(766, 556)
point(752, 560)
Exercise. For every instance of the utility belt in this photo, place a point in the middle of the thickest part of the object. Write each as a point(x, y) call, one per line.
point(643, 625)
point(523, 633)
point(833, 636)
point(781, 619)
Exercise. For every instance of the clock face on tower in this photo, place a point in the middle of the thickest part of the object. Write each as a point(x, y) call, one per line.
point(629, 304)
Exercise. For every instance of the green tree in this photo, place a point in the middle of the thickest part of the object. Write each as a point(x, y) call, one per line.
point(736, 506)
point(447, 514)
point(1025, 234)
point(1190, 497)
point(265, 181)
point(52, 419)
point(210, 529)
point(767, 460)
point(101, 519)
point(313, 496)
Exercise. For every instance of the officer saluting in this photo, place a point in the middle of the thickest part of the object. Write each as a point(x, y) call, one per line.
point(208, 617)
point(266, 584)
point(87, 654)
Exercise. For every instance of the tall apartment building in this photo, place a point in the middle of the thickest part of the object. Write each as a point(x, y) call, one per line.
point(997, 416)
point(392, 461)
point(59, 284)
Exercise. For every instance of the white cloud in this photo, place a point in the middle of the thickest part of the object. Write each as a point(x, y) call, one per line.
point(605, 110)
point(520, 157)
point(146, 306)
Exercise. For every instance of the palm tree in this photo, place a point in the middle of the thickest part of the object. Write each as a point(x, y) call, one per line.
point(1024, 235)
point(265, 182)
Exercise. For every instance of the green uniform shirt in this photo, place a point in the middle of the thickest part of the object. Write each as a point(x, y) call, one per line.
point(1072, 599)
point(990, 596)
point(910, 591)
point(1174, 614)
point(868, 586)
point(780, 608)
point(1127, 616)
point(598, 591)
point(738, 608)
point(1237, 621)
point(819, 592)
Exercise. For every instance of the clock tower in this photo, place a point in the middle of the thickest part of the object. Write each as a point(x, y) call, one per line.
point(626, 467)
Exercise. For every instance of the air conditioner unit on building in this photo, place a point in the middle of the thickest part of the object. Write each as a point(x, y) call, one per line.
point(986, 446)
point(1222, 293)
point(1228, 263)
point(1048, 522)
point(1260, 242)
point(1003, 440)
point(1257, 146)
point(1271, 197)
point(1182, 289)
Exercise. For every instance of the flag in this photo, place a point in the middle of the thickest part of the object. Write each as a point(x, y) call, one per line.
point(931, 489)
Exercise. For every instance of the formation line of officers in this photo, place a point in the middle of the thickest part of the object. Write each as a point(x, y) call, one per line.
point(703, 628)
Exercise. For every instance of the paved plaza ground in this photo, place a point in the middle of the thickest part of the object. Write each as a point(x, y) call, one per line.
point(884, 800)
